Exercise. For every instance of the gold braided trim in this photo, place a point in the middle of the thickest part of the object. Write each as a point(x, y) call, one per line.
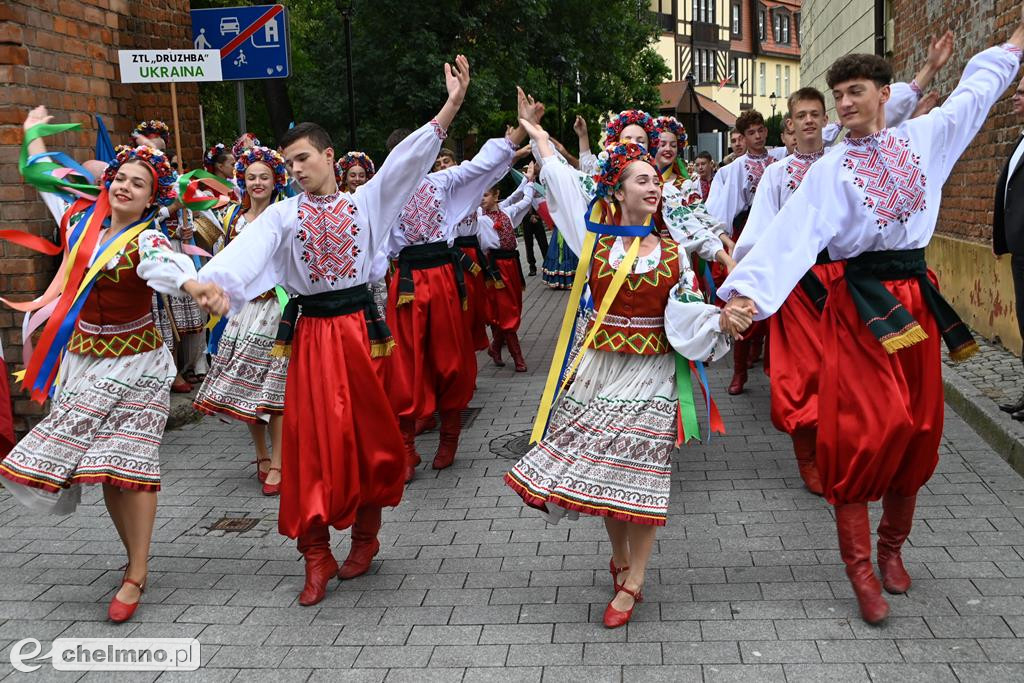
point(112, 346)
point(640, 343)
point(905, 338)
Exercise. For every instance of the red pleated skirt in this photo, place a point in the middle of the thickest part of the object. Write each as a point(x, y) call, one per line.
point(477, 313)
point(794, 349)
point(435, 354)
point(507, 301)
point(341, 448)
point(879, 415)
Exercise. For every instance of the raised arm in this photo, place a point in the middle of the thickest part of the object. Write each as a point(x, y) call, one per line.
point(380, 200)
point(566, 203)
point(468, 181)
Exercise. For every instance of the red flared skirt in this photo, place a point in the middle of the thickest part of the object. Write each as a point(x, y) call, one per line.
point(507, 301)
point(436, 358)
point(341, 448)
point(794, 349)
point(477, 313)
point(879, 414)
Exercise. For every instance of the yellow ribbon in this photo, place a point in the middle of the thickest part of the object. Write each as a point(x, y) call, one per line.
point(565, 333)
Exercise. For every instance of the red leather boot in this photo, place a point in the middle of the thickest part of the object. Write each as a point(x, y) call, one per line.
point(740, 354)
point(451, 426)
point(854, 532)
point(407, 426)
point(893, 529)
point(365, 545)
point(515, 351)
point(321, 567)
point(494, 350)
point(804, 441)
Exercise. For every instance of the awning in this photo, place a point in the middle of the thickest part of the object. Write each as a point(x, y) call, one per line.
point(676, 98)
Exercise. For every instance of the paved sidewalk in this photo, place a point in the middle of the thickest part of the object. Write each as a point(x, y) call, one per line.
point(745, 584)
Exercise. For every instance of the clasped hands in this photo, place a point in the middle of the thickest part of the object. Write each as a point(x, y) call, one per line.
point(210, 297)
point(737, 315)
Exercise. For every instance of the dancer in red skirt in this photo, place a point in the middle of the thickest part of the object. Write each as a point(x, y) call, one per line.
point(874, 201)
point(501, 220)
point(343, 458)
point(427, 297)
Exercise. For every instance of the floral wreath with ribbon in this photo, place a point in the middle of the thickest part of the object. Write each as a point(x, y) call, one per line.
point(164, 177)
point(210, 158)
point(264, 155)
point(628, 118)
point(152, 129)
point(239, 148)
point(342, 166)
point(670, 124)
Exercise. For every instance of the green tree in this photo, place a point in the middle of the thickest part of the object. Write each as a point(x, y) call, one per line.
point(399, 47)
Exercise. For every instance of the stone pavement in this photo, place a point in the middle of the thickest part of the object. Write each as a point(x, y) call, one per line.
point(745, 583)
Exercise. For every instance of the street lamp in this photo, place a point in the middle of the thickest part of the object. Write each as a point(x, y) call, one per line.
point(346, 15)
point(771, 99)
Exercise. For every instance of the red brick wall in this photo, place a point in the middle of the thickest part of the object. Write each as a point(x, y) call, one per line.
point(968, 195)
point(63, 54)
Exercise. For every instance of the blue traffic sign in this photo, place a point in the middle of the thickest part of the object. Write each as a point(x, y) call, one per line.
point(253, 41)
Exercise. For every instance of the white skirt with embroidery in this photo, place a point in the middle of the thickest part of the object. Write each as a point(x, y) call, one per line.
point(105, 426)
point(607, 450)
point(246, 382)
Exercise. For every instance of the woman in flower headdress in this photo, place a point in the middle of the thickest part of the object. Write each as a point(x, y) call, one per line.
point(606, 449)
point(246, 382)
point(219, 161)
point(99, 354)
point(152, 133)
point(353, 170)
point(671, 139)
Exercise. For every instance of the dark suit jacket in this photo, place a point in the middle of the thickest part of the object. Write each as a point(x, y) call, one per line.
point(1008, 218)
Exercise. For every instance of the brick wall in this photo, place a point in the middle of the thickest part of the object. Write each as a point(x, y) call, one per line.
point(967, 199)
point(63, 54)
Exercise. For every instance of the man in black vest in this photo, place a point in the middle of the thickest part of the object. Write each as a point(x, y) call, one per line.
point(1008, 229)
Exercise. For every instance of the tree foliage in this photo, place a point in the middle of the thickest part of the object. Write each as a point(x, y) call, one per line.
point(399, 48)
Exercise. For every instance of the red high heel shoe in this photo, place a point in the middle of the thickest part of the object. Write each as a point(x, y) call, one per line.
point(119, 612)
point(272, 489)
point(614, 618)
point(615, 571)
point(260, 474)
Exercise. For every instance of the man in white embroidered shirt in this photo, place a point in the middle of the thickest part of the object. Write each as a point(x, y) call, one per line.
point(874, 201)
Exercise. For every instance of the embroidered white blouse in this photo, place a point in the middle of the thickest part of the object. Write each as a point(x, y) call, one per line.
point(880, 192)
point(312, 244)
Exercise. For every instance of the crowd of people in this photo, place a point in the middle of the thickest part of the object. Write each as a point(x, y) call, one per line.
point(342, 305)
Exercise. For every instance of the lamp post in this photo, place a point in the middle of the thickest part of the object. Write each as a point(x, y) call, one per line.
point(771, 99)
point(346, 15)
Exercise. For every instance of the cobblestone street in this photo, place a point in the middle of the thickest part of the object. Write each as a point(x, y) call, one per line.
point(746, 581)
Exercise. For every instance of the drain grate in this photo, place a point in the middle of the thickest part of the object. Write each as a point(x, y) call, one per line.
point(513, 445)
point(235, 524)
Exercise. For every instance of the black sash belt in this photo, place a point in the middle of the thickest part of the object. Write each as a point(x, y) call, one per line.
point(811, 283)
point(474, 267)
point(507, 254)
point(423, 257)
point(886, 317)
point(332, 305)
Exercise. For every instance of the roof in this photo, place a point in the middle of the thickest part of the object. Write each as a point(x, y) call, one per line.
point(676, 99)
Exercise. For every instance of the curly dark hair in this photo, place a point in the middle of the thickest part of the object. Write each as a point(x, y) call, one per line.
point(749, 118)
point(857, 66)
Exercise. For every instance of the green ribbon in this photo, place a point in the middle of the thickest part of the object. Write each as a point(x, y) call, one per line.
point(687, 408)
point(282, 297)
point(188, 198)
point(39, 173)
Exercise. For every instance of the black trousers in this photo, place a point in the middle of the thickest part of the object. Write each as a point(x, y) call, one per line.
point(533, 228)
point(1017, 268)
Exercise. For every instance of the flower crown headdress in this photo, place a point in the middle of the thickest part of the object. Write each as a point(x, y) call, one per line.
point(164, 176)
point(239, 147)
point(210, 158)
point(152, 129)
point(342, 166)
point(669, 124)
point(612, 162)
point(265, 155)
point(631, 117)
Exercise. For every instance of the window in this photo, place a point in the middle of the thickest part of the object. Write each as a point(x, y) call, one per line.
point(760, 24)
point(786, 89)
point(704, 11)
point(662, 15)
point(734, 71)
point(761, 80)
point(704, 66)
point(736, 18)
point(780, 28)
point(785, 29)
point(778, 78)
